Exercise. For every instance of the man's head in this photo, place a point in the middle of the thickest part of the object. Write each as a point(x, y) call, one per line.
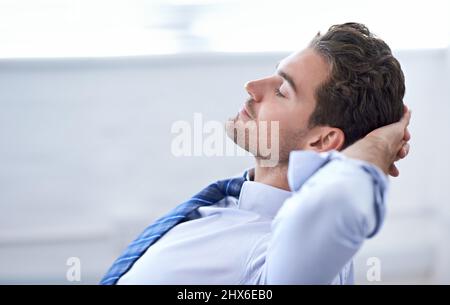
point(345, 84)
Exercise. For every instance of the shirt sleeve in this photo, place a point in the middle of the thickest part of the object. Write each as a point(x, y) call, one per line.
point(337, 203)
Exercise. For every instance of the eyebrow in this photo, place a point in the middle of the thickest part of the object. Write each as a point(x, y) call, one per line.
point(287, 77)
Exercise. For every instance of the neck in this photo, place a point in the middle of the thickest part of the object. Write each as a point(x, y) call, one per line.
point(274, 176)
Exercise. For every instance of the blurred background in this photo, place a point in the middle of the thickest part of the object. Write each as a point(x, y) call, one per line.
point(89, 91)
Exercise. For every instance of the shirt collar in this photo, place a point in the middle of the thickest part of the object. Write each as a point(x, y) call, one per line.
point(249, 174)
point(261, 198)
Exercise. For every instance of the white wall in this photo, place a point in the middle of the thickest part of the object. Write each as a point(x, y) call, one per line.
point(86, 163)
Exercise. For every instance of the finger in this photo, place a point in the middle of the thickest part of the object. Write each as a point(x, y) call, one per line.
point(403, 152)
point(404, 121)
point(405, 109)
point(393, 171)
point(400, 154)
point(400, 127)
point(406, 147)
point(407, 136)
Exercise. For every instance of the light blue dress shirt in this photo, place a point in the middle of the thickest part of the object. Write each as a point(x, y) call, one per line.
point(272, 236)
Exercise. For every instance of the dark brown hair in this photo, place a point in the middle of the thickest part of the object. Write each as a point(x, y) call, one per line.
point(366, 84)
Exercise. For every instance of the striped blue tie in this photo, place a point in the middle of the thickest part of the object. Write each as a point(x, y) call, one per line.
point(208, 196)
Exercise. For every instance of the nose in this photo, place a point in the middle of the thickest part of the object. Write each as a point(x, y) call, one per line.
point(259, 88)
point(254, 89)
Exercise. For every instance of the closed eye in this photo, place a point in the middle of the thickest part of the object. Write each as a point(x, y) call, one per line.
point(278, 93)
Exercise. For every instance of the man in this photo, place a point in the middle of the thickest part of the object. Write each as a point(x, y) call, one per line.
point(303, 218)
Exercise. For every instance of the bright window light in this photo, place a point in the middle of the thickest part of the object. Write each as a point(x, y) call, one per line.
point(80, 28)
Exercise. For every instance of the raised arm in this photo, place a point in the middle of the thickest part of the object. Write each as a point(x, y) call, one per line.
point(321, 227)
point(338, 203)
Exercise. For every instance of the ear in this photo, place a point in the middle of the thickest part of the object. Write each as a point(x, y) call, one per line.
point(325, 138)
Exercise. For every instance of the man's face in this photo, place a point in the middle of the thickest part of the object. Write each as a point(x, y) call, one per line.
point(287, 97)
